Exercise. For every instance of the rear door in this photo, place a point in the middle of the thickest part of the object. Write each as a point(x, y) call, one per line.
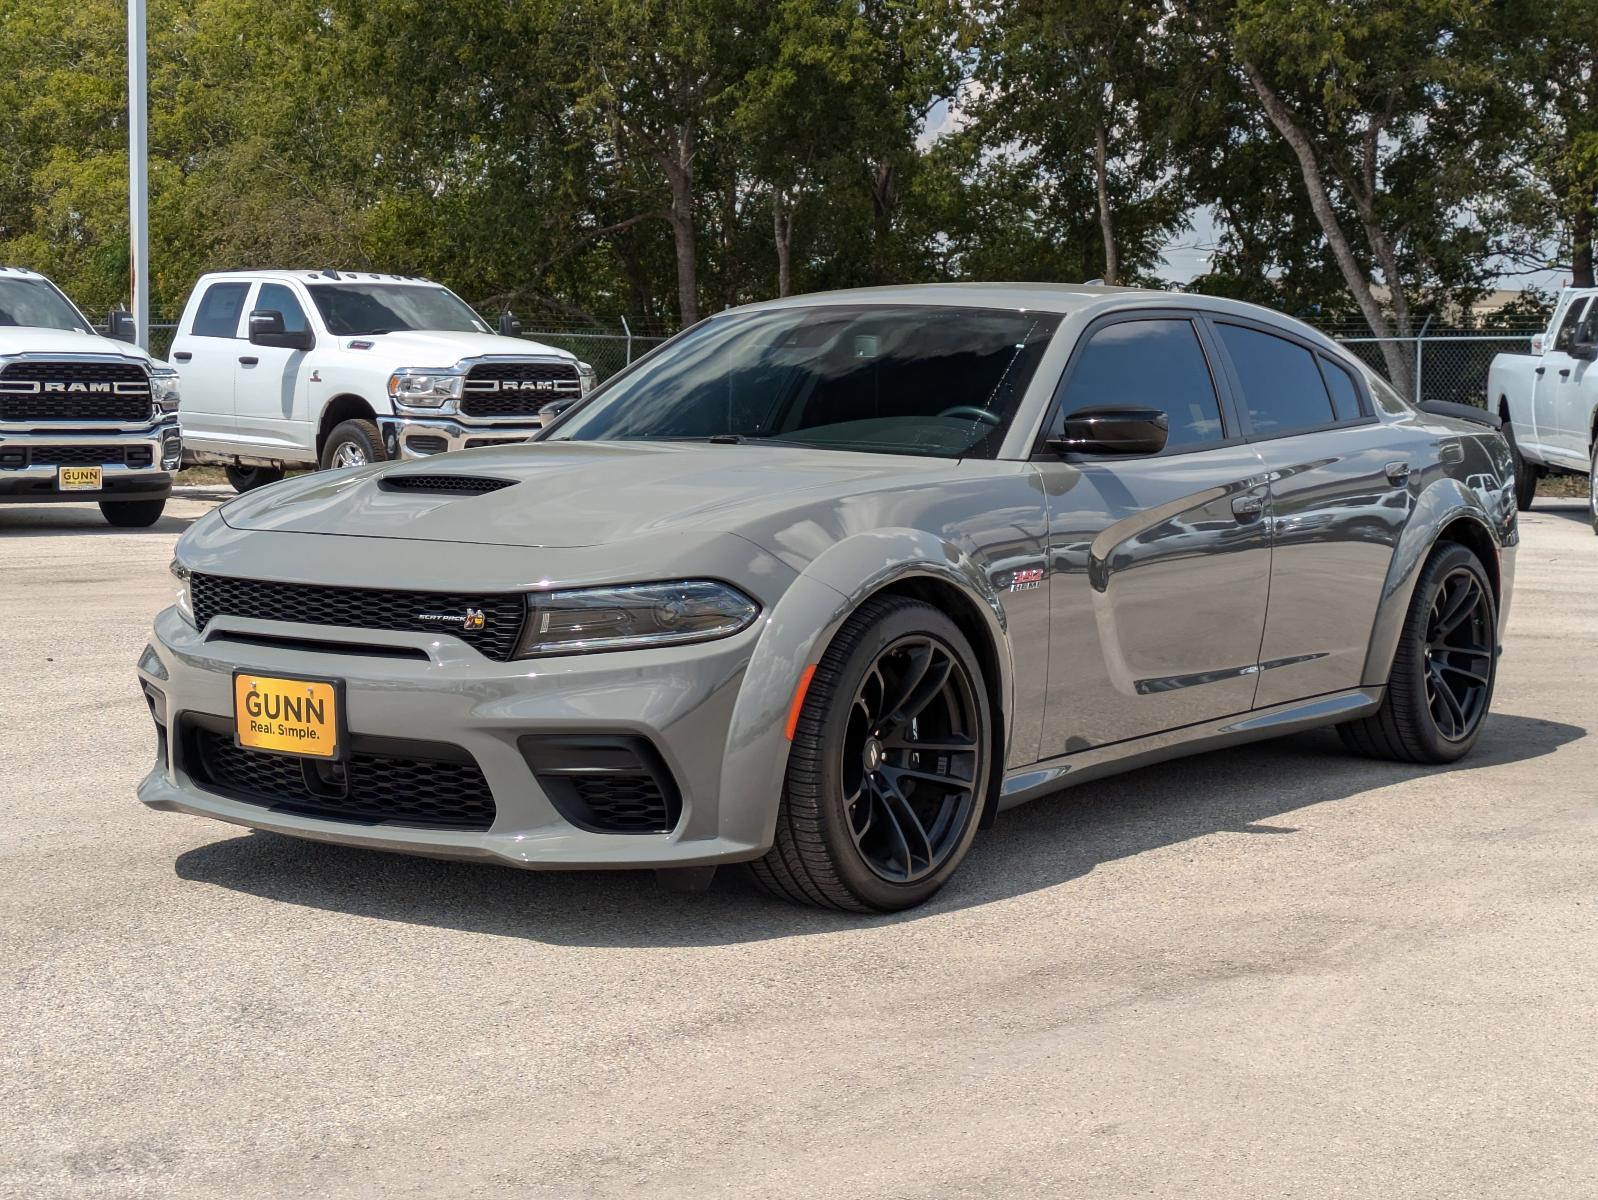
point(1339, 497)
point(1158, 565)
point(270, 388)
point(205, 353)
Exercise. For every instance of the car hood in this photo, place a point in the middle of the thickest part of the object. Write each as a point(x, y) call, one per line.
point(424, 348)
point(570, 494)
point(29, 339)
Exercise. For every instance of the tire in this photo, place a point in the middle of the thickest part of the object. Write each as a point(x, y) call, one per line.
point(132, 514)
point(818, 857)
point(1525, 473)
point(355, 442)
point(1410, 724)
point(1592, 484)
point(247, 479)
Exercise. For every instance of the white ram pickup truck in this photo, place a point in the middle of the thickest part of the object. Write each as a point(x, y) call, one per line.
point(288, 369)
point(1548, 399)
point(82, 417)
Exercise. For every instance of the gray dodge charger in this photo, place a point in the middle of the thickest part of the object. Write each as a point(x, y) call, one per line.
point(824, 584)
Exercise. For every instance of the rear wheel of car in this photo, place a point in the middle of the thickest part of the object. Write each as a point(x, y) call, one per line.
point(891, 759)
point(1525, 473)
point(247, 479)
point(352, 444)
point(1441, 684)
point(132, 514)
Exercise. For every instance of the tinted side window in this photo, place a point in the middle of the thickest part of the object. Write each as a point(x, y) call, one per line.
point(280, 299)
point(1567, 325)
point(1345, 396)
point(1282, 388)
point(1149, 364)
point(220, 309)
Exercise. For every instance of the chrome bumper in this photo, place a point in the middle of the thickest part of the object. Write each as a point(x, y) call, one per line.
point(163, 440)
point(411, 437)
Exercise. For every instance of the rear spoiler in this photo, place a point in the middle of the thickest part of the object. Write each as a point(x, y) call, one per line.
point(1463, 412)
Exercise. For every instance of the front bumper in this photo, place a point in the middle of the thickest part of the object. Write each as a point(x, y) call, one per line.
point(36, 450)
point(413, 437)
point(680, 699)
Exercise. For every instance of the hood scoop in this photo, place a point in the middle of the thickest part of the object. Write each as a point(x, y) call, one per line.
point(452, 485)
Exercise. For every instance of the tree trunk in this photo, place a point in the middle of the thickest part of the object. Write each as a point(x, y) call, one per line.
point(1112, 265)
point(679, 168)
point(782, 230)
point(1400, 363)
point(883, 196)
point(1581, 274)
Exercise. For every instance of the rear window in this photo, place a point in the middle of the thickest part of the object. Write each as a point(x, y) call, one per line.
point(220, 310)
point(1282, 388)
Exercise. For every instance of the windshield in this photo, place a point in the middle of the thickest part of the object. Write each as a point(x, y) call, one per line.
point(353, 309)
point(39, 304)
point(912, 380)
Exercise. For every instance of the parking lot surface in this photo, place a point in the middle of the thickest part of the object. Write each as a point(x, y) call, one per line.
point(1275, 971)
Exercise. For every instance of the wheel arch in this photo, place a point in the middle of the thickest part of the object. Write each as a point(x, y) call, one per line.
point(1447, 511)
point(346, 406)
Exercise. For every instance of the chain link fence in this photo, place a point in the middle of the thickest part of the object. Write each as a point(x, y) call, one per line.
point(1443, 364)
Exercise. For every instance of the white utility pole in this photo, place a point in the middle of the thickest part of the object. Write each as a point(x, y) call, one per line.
point(139, 172)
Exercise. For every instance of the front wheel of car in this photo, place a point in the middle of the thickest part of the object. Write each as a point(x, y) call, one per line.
point(890, 764)
point(1441, 684)
point(132, 514)
point(352, 444)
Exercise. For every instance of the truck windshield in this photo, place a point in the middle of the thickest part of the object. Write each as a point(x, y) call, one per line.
point(39, 304)
point(354, 309)
point(944, 382)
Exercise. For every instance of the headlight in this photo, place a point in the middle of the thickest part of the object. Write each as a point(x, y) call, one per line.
point(416, 387)
point(585, 377)
point(625, 618)
point(164, 388)
point(185, 600)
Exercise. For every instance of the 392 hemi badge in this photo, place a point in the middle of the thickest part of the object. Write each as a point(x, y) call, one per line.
point(1026, 579)
point(470, 621)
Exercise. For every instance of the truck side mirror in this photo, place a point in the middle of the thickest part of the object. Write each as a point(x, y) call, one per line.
point(266, 329)
point(1112, 431)
point(509, 326)
point(120, 327)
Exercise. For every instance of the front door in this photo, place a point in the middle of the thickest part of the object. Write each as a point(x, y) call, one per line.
point(1158, 566)
point(1339, 498)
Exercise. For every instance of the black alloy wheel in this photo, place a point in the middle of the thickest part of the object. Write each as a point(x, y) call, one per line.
point(909, 759)
point(890, 765)
point(1459, 654)
point(1440, 687)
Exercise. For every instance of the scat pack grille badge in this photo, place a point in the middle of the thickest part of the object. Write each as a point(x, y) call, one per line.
point(471, 620)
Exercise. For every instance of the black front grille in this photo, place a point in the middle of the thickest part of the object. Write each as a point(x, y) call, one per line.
point(517, 389)
point(83, 456)
point(474, 443)
point(74, 391)
point(607, 783)
point(466, 485)
point(429, 786)
point(624, 803)
point(365, 608)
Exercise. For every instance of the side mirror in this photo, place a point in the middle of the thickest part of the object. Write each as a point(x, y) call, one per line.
point(120, 326)
point(509, 326)
point(266, 329)
point(1537, 343)
point(1113, 431)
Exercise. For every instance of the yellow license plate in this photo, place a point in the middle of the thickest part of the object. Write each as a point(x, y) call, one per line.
point(78, 479)
point(287, 716)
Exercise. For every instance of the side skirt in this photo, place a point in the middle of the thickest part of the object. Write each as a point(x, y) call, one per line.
point(1039, 779)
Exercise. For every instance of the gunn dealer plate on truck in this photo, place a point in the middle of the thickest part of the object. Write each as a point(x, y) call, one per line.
point(78, 479)
point(287, 716)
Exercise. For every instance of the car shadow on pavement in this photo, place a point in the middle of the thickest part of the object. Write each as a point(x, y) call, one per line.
point(1569, 510)
point(1044, 844)
point(54, 521)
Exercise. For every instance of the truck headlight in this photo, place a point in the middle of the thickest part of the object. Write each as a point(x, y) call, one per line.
point(416, 387)
point(628, 618)
point(585, 377)
point(164, 388)
point(185, 598)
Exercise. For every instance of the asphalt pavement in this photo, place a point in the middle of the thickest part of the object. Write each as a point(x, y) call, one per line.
point(1266, 972)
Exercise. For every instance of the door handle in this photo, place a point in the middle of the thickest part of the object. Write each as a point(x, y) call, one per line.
point(1564, 372)
point(248, 360)
point(1397, 472)
point(1247, 507)
point(183, 356)
point(1542, 370)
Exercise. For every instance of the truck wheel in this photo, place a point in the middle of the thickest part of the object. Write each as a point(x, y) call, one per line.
point(352, 444)
point(1525, 473)
point(891, 757)
point(1441, 683)
point(132, 514)
point(247, 479)
point(1592, 484)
